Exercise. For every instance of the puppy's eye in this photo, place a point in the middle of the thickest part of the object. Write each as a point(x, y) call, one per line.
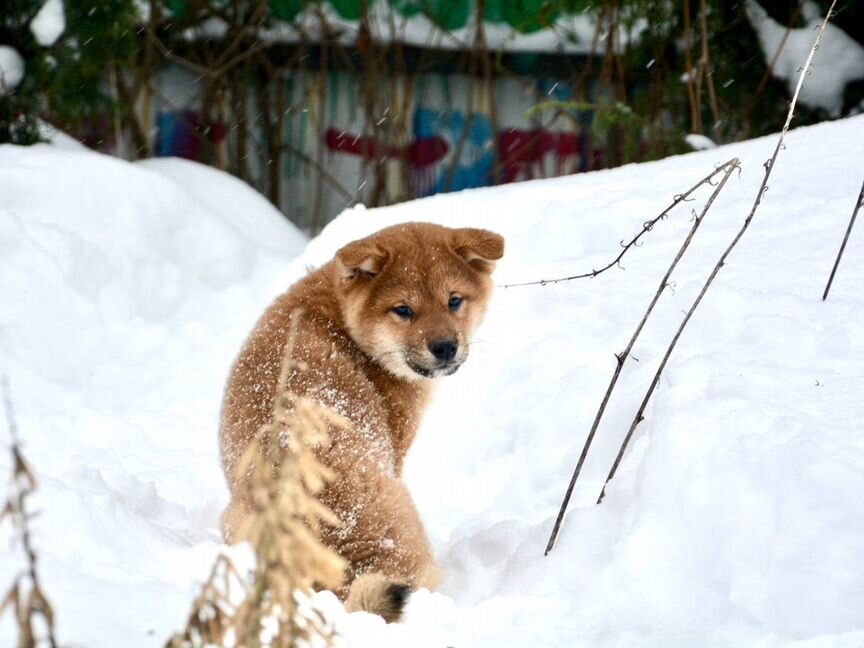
point(404, 312)
point(455, 302)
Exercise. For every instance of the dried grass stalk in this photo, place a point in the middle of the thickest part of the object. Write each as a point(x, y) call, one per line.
point(25, 597)
point(283, 527)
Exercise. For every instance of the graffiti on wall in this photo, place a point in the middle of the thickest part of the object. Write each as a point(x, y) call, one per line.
point(450, 152)
point(470, 150)
point(445, 148)
point(180, 133)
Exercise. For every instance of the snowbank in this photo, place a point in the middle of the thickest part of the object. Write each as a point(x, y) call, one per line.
point(231, 199)
point(125, 295)
point(735, 518)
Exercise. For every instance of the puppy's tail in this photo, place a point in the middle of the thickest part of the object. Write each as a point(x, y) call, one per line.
point(378, 594)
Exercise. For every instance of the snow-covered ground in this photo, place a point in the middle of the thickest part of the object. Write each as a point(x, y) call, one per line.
point(736, 518)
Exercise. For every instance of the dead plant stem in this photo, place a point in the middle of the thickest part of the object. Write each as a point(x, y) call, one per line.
point(769, 166)
point(621, 358)
point(845, 239)
point(647, 226)
point(23, 484)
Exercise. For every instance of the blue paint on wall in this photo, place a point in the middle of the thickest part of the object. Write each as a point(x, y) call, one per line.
point(477, 155)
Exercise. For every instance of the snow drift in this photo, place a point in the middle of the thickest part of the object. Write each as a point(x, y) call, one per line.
point(125, 295)
point(735, 518)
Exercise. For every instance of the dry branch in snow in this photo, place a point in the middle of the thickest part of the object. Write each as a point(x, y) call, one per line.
point(647, 226)
point(621, 358)
point(858, 205)
point(769, 167)
point(25, 597)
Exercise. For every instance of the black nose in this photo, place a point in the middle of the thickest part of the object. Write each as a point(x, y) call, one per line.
point(443, 350)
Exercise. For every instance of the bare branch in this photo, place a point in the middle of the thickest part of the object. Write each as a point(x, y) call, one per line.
point(646, 227)
point(210, 73)
point(845, 238)
point(769, 166)
point(622, 357)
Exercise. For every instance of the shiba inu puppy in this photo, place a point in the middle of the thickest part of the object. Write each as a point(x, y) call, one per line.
point(380, 322)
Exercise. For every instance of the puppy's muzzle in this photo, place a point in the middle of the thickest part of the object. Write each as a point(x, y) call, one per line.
point(443, 350)
point(445, 359)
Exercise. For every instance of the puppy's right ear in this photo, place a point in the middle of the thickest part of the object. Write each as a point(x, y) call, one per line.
point(478, 247)
point(363, 258)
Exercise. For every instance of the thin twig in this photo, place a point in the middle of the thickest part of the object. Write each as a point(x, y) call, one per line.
point(203, 70)
point(706, 69)
point(845, 238)
point(769, 166)
point(769, 71)
point(251, 24)
point(695, 99)
point(621, 358)
point(647, 226)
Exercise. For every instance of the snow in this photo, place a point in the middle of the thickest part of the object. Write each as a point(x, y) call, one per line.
point(49, 133)
point(49, 23)
point(571, 33)
point(217, 191)
point(124, 298)
point(699, 142)
point(735, 518)
point(840, 60)
point(11, 69)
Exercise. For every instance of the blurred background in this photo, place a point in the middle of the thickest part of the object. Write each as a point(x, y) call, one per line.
point(323, 104)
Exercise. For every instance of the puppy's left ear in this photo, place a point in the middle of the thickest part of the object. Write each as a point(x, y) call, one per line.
point(480, 248)
point(363, 258)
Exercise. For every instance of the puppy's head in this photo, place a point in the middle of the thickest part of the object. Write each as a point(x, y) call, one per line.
point(412, 295)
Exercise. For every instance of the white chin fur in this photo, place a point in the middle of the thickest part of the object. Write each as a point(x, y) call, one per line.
point(399, 368)
point(394, 360)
